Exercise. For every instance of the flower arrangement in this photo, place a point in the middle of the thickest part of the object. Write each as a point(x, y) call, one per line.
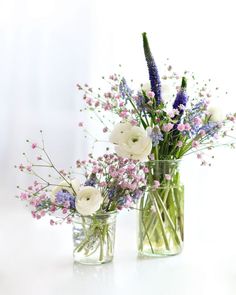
point(159, 127)
point(151, 130)
point(106, 185)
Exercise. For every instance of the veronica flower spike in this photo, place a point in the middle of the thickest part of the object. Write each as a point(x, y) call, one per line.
point(152, 69)
point(181, 97)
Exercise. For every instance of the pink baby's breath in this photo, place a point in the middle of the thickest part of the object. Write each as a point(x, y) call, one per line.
point(167, 176)
point(181, 127)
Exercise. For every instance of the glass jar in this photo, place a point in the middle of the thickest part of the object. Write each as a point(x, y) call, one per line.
point(94, 238)
point(161, 211)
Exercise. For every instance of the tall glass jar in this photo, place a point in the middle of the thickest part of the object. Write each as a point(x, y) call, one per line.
point(94, 238)
point(161, 211)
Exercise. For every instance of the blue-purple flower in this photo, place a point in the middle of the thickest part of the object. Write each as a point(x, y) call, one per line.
point(63, 197)
point(155, 135)
point(181, 97)
point(152, 69)
point(124, 90)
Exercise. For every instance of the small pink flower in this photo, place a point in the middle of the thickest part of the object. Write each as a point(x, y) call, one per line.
point(156, 184)
point(121, 104)
point(128, 202)
point(34, 145)
point(179, 143)
point(21, 167)
point(181, 127)
point(52, 222)
point(197, 121)
point(53, 208)
point(171, 114)
point(64, 210)
point(202, 132)
point(199, 156)
point(167, 127)
point(81, 124)
point(124, 114)
point(42, 213)
point(187, 127)
point(167, 176)
point(195, 144)
point(102, 184)
point(95, 169)
point(29, 168)
point(24, 196)
point(151, 94)
point(114, 174)
point(97, 103)
point(117, 96)
point(89, 100)
point(105, 129)
point(133, 122)
point(145, 170)
point(36, 183)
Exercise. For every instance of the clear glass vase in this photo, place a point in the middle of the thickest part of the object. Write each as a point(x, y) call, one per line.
point(94, 238)
point(161, 211)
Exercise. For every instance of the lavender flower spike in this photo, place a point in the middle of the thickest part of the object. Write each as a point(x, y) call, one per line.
point(181, 97)
point(152, 69)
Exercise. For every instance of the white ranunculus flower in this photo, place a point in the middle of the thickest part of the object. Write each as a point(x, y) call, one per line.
point(216, 114)
point(131, 141)
point(88, 200)
point(65, 186)
point(118, 131)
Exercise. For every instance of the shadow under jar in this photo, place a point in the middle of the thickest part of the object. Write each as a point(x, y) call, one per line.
point(94, 238)
point(161, 211)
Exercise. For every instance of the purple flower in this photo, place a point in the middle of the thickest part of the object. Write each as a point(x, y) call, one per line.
point(141, 102)
point(124, 90)
point(63, 197)
point(152, 69)
point(181, 98)
point(111, 193)
point(91, 181)
point(155, 135)
point(211, 128)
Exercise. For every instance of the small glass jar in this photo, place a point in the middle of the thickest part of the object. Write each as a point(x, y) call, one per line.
point(161, 211)
point(94, 238)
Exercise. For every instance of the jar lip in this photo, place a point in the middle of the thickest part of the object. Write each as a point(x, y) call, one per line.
point(108, 213)
point(164, 161)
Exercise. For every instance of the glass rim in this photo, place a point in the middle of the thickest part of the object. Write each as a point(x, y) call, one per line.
point(164, 161)
point(109, 213)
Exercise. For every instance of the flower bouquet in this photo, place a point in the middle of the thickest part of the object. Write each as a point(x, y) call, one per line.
point(106, 185)
point(151, 130)
point(158, 128)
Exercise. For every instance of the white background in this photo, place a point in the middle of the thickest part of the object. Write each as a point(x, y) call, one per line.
point(46, 47)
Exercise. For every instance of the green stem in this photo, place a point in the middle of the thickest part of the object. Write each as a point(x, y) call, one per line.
point(168, 218)
point(161, 223)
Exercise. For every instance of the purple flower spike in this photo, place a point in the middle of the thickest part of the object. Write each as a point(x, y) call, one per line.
point(181, 97)
point(152, 69)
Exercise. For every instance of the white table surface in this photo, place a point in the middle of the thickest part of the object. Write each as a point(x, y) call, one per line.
point(36, 258)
